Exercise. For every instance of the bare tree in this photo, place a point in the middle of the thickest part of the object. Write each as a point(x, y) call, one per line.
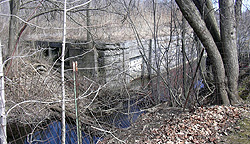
point(223, 55)
point(229, 47)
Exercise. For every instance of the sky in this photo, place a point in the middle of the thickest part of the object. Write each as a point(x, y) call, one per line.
point(245, 6)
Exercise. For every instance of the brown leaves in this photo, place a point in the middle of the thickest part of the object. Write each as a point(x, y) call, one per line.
point(204, 125)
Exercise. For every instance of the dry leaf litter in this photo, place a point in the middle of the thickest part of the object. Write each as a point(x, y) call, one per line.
point(171, 126)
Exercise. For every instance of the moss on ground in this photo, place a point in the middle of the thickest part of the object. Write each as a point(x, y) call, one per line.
point(244, 88)
point(241, 134)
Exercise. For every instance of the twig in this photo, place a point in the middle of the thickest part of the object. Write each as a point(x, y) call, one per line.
point(103, 130)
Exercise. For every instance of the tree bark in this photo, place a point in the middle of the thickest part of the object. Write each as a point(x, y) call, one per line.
point(229, 47)
point(157, 57)
point(183, 44)
point(3, 122)
point(13, 26)
point(206, 9)
point(192, 15)
point(238, 13)
point(62, 73)
point(149, 60)
point(88, 25)
point(238, 16)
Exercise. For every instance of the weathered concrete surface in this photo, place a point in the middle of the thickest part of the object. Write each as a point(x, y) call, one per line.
point(118, 63)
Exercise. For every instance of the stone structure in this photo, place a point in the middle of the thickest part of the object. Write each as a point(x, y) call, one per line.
point(116, 63)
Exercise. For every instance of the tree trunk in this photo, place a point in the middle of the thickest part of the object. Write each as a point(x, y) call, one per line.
point(149, 60)
point(13, 26)
point(183, 44)
point(88, 26)
point(229, 47)
point(207, 11)
point(238, 13)
point(157, 57)
point(238, 16)
point(62, 74)
point(3, 134)
point(193, 17)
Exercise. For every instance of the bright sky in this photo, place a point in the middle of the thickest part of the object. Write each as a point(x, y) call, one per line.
point(245, 6)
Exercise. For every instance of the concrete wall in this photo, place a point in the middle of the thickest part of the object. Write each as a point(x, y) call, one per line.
point(125, 61)
point(118, 63)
